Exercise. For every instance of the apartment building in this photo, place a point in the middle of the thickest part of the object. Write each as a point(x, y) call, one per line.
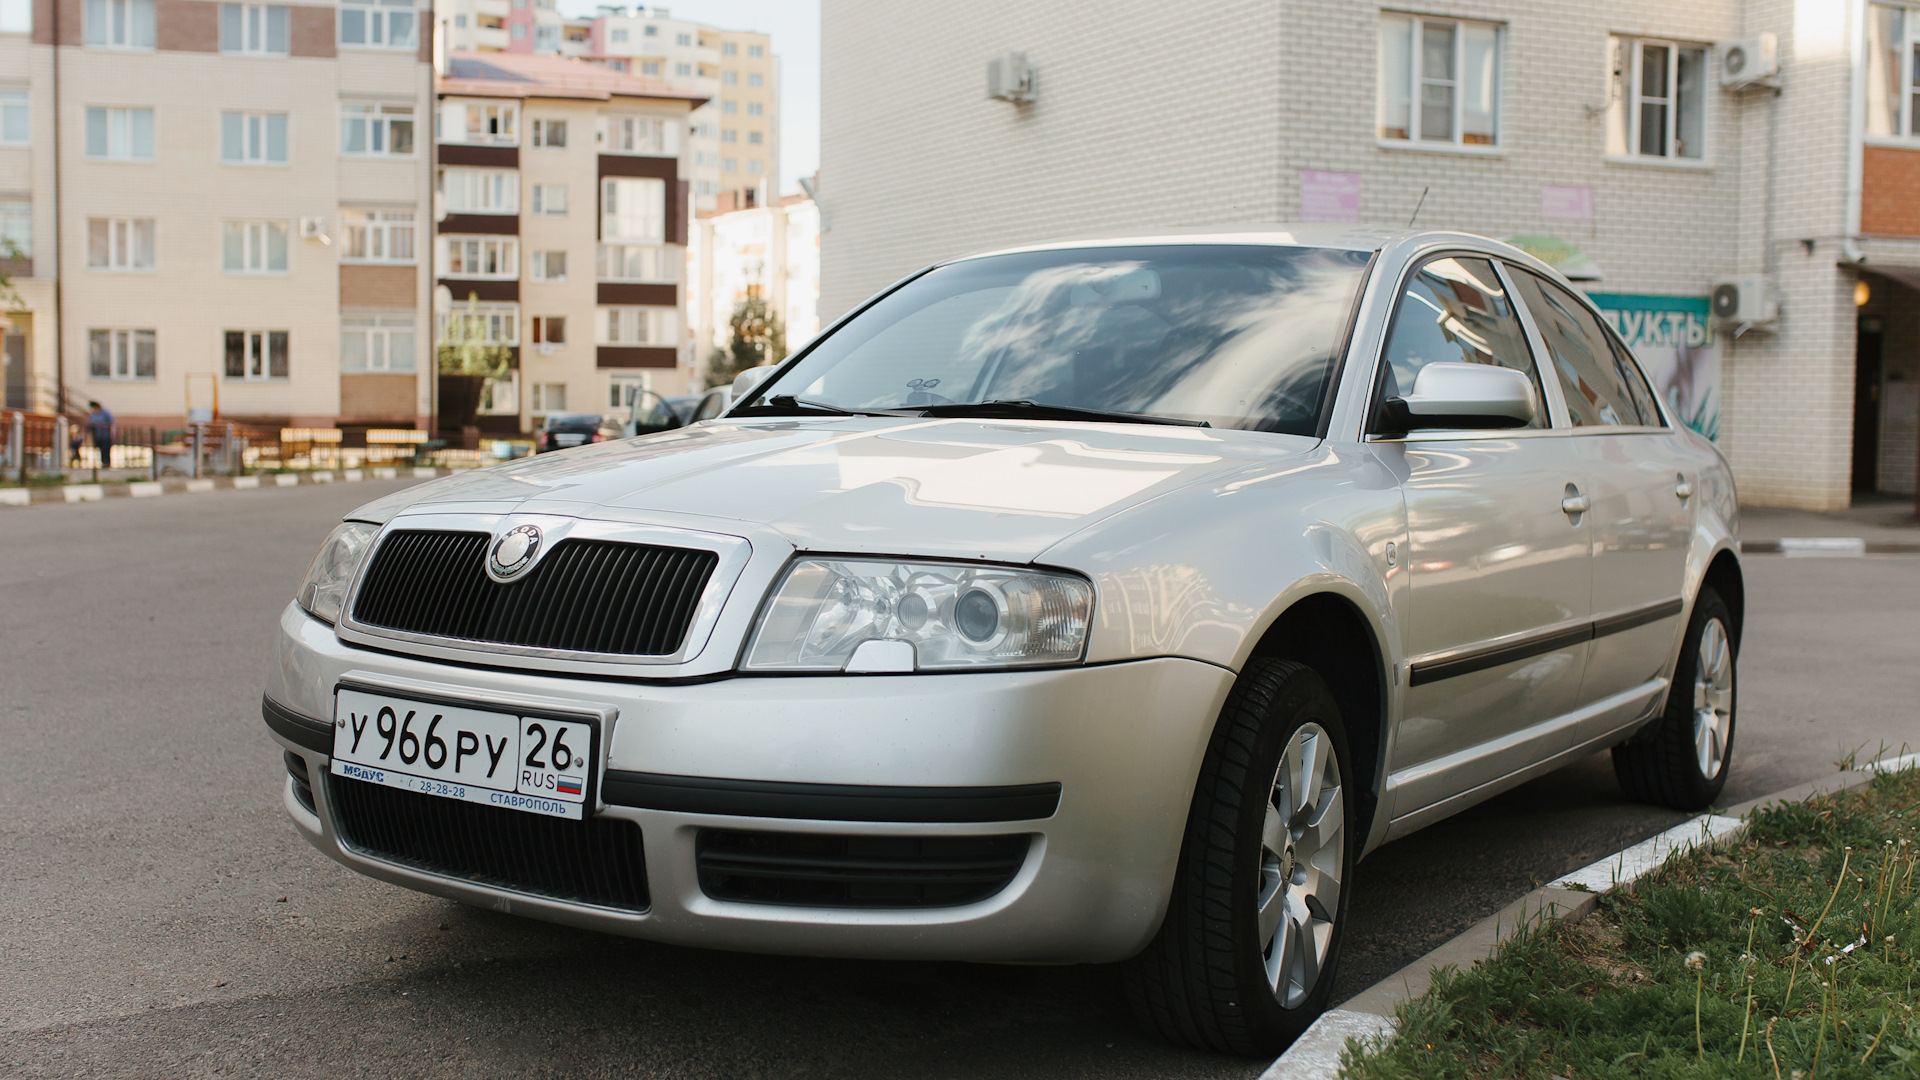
point(1657, 150)
point(217, 206)
point(563, 196)
point(771, 252)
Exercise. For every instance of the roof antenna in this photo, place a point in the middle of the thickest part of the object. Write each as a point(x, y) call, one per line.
point(1416, 207)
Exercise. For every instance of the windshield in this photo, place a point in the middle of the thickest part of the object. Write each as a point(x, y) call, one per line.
point(1236, 336)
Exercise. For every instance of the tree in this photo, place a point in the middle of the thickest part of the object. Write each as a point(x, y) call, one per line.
point(758, 338)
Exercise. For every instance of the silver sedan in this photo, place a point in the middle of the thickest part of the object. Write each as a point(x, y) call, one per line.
point(1079, 603)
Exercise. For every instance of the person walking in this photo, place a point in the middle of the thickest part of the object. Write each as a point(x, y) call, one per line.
point(100, 424)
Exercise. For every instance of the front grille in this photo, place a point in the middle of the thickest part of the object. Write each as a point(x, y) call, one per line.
point(814, 870)
point(598, 861)
point(595, 596)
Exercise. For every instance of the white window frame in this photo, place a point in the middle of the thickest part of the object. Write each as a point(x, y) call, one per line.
point(16, 117)
point(1627, 60)
point(480, 191)
point(501, 397)
point(1417, 79)
point(550, 200)
point(636, 325)
point(645, 223)
point(1905, 121)
point(123, 354)
point(16, 227)
point(543, 129)
point(16, 16)
point(124, 244)
point(377, 19)
point(256, 246)
point(117, 24)
point(256, 138)
point(253, 29)
point(639, 136)
point(540, 398)
point(378, 236)
point(256, 357)
point(480, 123)
point(388, 344)
point(620, 256)
point(376, 123)
point(120, 129)
point(539, 327)
point(540, 265)
point(503, 252)
point(500, 322)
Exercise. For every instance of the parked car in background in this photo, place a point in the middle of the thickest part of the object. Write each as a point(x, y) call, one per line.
point(712, 404)
point(1088, 602)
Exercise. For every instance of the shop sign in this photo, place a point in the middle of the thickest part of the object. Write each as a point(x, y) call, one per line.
point(1673, 338)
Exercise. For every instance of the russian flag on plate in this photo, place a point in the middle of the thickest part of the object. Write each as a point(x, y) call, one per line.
point(567, 785)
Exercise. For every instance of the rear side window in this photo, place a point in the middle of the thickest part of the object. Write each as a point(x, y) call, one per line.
point(1456, 309)
point(1598, 384)
point(1636, 381)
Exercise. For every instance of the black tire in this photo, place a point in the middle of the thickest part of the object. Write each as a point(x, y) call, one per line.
point(1662, 763)
point(1204, 978)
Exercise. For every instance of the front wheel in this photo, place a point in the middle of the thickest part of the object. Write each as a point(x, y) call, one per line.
point(1681, 761)
point(1245, 958)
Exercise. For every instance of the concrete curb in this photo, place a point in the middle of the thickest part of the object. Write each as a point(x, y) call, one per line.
point(145, 489)
point(1826, 547)
point(1369, 1015)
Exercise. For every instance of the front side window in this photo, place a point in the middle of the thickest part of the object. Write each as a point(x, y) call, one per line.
point(376, 344)
point(1893, 72)
point(253, 247)
point(1456, 310)
point(120, 134)
point(638, 325)
point(550, 266)
point(1241, 336)
point(16, 128)
point(119, 24)
point(256, 355)
point(1658, 100)
point(251, 138)
point(120, 354)
point(550, 200)
point(495, 257)
point(376, 129)
point(253, 29)
point(376, 236)
point(1439, 81)
point(635, 262)
point(481, 191)
point(1597, 382)
point(377, 24)
point(633, 208)
point(120, 244)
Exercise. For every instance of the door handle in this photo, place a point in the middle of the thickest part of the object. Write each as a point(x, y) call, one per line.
point(1681, 489)
point(1575, 503)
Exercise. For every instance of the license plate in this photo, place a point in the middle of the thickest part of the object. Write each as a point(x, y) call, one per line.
point(542, 764)
point(569, 440)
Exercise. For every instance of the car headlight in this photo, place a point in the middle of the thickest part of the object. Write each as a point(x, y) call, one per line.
point(332, 571)
point(954, 615)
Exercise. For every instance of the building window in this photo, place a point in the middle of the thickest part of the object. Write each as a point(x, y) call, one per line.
point(755, 138)
point(119, 24)
point(248, 138)
point(649, 67)
point(549, 266)
point(638, 325)
point(683, 69)
point(376, 236)
point(706, 129)
point(459, 22)
point(729, 165)
point(729, 135)
point(729, 107)
point(120, 134)
point(755, 166)
point(490, 125)
point(730, 78)
point(551, 134)
point(754, 108)
point(1893, 72)
point(501, 397)
point(376, 129)
point(756, 80)
point(619, 37)
point(16, 16)
point(120, 354)
point(704, 159)
point(253, 29)
point(376, 344)
point(652, 31)
point(120, 244)
point(1658, 99)
point(633, 209)
point(549, 397)
point(683, 40)
point(518, 31)
point(1439, 81)
point(16, 128)
point(638, 135)
point(550, 200)
point(256, 355)
point(635, 262)
point(496, 257)
point(481, 191)
point(16, 227)
point(377, 24)
point(253, 247)
point(624, 390)
point(706, 187)
point(486, 324)
point(729, 49)
point(549, 329)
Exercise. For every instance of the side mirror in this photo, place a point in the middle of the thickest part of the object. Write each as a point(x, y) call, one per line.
point(1455, 395)
point(744, 382)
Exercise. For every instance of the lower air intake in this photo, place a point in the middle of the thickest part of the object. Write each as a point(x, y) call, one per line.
point(812, 870)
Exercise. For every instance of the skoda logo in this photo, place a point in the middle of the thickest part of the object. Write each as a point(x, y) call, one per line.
point(514, 552)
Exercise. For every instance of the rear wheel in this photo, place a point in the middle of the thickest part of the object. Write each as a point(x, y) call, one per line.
point(1681, 761)
point(1245, 958)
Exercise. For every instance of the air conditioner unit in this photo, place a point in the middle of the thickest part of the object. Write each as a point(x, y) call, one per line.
point(1748, 301)
point(1753, 61)
point(313, 228)
point(1011, 78)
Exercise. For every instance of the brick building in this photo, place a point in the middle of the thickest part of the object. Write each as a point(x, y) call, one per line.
point(1613, 137)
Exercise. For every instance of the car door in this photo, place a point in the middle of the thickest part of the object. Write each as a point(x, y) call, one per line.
point(1499, 597)
point(1632, 471)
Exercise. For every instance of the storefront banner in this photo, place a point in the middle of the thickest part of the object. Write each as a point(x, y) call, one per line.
point(1672, 336)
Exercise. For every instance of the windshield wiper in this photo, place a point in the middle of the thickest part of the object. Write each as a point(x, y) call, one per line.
point(787, 403)
point(1034, 410)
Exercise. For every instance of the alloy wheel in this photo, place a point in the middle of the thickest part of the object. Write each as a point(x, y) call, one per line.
point(1302, 861)
point(1712, 698)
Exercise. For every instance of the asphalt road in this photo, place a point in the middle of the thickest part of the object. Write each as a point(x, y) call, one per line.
point(159, 917)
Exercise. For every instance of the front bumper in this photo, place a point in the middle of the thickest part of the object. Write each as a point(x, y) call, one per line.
point(1123, 741)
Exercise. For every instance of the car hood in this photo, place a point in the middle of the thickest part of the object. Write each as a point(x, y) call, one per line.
point(1003, 490)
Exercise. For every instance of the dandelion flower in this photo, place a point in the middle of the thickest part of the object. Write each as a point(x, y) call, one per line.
point(1696, 960)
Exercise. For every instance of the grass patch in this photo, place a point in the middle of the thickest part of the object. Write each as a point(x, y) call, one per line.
point(1790, 956)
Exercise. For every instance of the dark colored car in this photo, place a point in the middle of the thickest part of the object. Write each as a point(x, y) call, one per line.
point(562, 430)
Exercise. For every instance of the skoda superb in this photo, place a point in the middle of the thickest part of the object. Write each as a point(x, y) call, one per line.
point(1079, 603)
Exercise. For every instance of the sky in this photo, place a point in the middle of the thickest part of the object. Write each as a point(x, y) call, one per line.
point(795, 28)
